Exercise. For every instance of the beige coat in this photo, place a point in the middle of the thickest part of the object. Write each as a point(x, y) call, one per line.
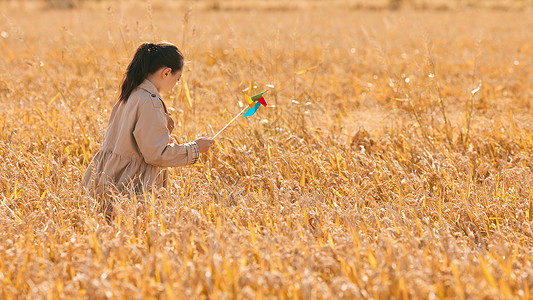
point(136, 149)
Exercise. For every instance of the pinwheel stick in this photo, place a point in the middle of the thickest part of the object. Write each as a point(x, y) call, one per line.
point(230, 122)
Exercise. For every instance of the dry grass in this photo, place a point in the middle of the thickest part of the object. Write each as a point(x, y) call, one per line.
point(388, 178)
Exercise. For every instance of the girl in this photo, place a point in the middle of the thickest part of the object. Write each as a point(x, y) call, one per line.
point(137, 147)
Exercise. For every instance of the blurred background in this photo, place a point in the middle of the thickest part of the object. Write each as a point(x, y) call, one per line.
point(287, 4)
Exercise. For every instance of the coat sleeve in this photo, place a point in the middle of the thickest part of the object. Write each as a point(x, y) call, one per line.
point(152, 137)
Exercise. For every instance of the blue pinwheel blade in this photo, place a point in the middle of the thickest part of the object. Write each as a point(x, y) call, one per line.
point(252, 110)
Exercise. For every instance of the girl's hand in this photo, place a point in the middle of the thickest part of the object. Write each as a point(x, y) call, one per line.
point(204, 143)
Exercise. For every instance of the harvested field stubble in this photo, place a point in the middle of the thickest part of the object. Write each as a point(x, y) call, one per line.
point(399, 166)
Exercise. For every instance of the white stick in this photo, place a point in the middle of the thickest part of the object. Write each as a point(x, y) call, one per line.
point(230, 122)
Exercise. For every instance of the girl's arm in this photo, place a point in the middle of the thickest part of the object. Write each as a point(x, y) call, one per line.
point(152, 137)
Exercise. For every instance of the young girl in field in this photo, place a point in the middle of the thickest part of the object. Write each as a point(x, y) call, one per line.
point(137, 147)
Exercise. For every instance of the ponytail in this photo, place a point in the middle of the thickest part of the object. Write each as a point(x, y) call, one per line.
point(147, 59)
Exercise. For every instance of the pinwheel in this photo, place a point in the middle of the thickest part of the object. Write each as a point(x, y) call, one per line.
point(254, 102)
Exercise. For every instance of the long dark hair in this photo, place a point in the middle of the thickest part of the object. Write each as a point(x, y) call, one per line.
point(147, 59)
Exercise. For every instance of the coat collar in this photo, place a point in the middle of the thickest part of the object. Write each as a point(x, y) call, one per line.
point(148, 86)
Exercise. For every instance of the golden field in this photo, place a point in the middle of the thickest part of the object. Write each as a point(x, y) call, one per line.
point(394, 161)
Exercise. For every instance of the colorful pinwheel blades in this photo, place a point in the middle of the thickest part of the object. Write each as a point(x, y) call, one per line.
point(254, 102)
point(253, 105)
